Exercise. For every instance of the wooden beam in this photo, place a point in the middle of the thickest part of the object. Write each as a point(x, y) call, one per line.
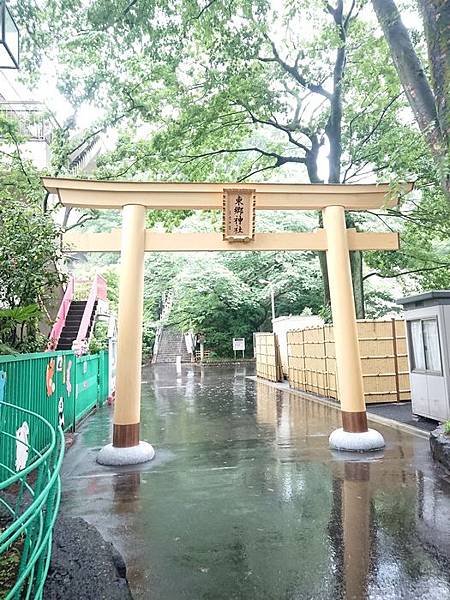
point(106, 241)
point(211, 241)
point(371, 240)
point(89, 193)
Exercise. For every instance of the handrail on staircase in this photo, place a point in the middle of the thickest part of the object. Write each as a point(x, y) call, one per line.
point(165, 311)
point(98, 292)
point(58, 326)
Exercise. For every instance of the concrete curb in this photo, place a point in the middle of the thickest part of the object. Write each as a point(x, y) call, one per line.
point(440, 446)
point(321, 400)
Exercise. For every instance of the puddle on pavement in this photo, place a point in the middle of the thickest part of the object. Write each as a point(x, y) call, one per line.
point(245, 500)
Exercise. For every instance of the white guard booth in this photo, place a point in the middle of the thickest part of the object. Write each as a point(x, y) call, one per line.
point(427, 319)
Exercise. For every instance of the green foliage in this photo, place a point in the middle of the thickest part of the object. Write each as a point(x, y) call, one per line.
point(112, 282)
point(212, 300)
point(160, 272)
point(99, 339)
point(217, 94)
point(28, 252)
point(446, 427)
point(213, 93)
point(10, 561)
point(11, 317)
point(6, 350)
point(29, 246)
point(148, 339)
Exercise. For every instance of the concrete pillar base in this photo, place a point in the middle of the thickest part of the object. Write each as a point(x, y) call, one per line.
point(112, 456)
point(365, 441)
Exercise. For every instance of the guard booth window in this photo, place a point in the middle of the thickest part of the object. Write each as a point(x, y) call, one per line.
point(424, 340)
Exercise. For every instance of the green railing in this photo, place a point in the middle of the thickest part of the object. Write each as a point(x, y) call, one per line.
point(55, 384)
point(87, 378)
point(40, 395)
point(30, 491)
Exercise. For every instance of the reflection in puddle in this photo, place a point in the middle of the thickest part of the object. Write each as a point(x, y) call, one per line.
point(253, 505)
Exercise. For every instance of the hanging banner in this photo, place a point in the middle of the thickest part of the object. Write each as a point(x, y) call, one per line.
point(238, 215)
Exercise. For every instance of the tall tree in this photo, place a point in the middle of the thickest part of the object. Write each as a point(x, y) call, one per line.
point(427, 89)
point(207, 89)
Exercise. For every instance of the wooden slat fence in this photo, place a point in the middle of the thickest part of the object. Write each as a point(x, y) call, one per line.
point(268, 361)
point(312, 362)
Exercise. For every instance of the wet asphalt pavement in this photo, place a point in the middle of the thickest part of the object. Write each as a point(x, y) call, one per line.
point(244, 500)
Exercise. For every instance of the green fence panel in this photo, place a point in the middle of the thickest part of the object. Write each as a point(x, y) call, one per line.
point(59, 386)
point(103, 377)
point(39, 392)
point(87, 387)
point(41, 383)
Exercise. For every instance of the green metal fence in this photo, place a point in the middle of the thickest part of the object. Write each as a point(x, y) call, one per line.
point(40, 395)
point(29, 499)
point(103, 378)
point(87, 384)
point(55, 384)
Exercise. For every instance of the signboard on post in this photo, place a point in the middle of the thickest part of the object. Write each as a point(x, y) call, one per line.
point(239, 344)
point(238, 215)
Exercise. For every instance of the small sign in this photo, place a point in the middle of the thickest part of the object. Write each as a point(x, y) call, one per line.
point(238, 344)
point(238, 215)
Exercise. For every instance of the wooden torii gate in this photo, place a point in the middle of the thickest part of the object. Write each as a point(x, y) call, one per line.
point(133, 240)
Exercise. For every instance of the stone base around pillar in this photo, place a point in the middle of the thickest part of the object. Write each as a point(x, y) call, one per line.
point(113, 456)
point(365, 441)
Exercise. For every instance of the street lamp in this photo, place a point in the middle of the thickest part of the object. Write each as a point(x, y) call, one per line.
point(272, 297)
point(9, 39)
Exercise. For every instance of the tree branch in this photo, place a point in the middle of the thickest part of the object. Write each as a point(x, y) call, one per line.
point(81, 221)
point(281, 160)
point(424, 270)
point(294, 72)
point(284, 128)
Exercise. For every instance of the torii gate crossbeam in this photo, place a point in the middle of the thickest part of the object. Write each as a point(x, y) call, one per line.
point(134, 198)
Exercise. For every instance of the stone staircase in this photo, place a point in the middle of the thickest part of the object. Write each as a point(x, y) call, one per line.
point(72, 324)
point(170, 346)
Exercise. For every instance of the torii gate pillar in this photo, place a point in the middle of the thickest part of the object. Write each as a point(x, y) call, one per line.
point(354, 434)
point(126, 447)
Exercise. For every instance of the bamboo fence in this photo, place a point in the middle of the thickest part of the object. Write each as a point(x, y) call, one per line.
point(382, 344)
point(268, 361)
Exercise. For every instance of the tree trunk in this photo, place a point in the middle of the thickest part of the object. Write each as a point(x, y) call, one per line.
point(324, 268)
point(333, 131)
point(436, 21)
point(311, 166)
point(426, 106)
point(356, 264)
